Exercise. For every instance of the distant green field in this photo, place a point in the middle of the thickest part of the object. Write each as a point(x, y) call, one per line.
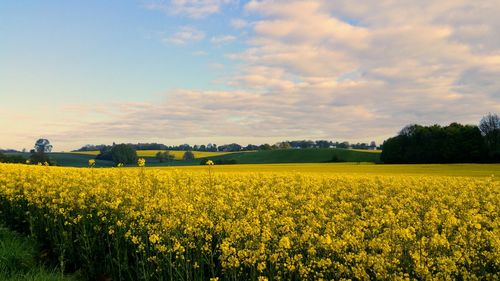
point(284, 156)
point(72, 160)
point(80, 159)
point(303, 156)
point(152, 153)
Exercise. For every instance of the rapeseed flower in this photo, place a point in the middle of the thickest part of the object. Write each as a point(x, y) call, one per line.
point(239, 226)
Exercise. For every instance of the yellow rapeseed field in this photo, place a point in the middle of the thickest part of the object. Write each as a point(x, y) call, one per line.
point(166, 224)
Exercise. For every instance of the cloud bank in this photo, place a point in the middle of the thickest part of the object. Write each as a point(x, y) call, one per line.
point(332, 69)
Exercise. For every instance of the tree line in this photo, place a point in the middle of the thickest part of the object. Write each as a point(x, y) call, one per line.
point(455, 143)
point(232, 147)
point(37, 155)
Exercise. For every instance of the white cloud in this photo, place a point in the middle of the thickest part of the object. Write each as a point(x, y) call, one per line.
point(239, 23)
point(190, 8)
point(224, 39)
point(185, 35)
point(418, 58)
point(337, 69)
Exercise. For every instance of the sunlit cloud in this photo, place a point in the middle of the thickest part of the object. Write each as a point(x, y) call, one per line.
point(310, 71)
point(185, 35)
point(190, 8)
point(224, 39)
point(239, 23)
point(336, 69)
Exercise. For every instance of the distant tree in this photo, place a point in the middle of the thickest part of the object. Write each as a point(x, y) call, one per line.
point(185, 147)
point(454, 143)
point(105, 153)
point(307, 144)
point(344, 144)
point(159, 156)
point(265, 146)
point(408, 130)
point(8, 150)
point(251, 147)
point(11, 158)
point(234, 147)
point(91, 147)
point(43, 146)
point(373, 144)
point(123, 153)
point(489, 124)
point(211, 147)
point(41, 157)
point(323, 143)
point(284, 145)
point(188, 155)
point(490, 129)
point(39, 153)
point(164, 156)
point(360, 146)
point(230, 147)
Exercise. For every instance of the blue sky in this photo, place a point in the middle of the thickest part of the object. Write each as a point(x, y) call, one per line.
point(223, 71)
point(110, 50)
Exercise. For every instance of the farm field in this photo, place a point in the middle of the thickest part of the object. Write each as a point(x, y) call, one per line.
point(313, 155)
point(80, 159)
point(262, 222)
point(457, 170)
point(272, 156)
point(256, 140)
point(152, 153)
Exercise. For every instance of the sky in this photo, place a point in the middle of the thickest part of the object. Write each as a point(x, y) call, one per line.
point(256, 71)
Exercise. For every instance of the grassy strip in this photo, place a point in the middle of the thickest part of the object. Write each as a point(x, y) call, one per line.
point(19, 260)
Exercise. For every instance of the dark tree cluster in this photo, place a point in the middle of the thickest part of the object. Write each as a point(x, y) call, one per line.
point(40, 152)
point(91, 147)
point(164, 156)
point(490, 129)
point(234, 147)
point(118, 153)
point(9, 151)
point(188, 155)
point(455, 143)
point(11, 158)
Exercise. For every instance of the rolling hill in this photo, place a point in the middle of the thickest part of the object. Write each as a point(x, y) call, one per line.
point(312, 155)
point(152, 153)
point(80, 159)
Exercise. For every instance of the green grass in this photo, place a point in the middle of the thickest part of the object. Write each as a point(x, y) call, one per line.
point(249, 157)
point(296, 156)
point(18, 260)
point(285, 156)
point(282, 156)
point(72, 159)
point(152, 153)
